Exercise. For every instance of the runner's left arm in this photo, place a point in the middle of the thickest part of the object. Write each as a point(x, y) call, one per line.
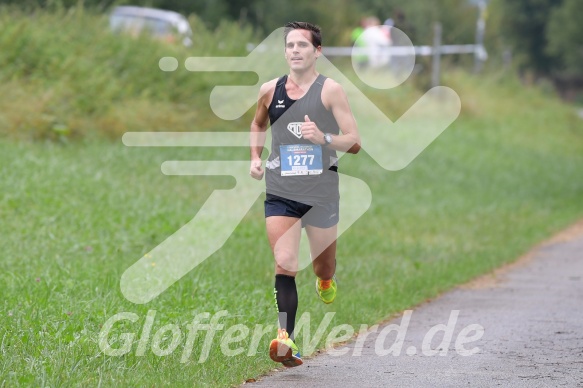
point(334, 98)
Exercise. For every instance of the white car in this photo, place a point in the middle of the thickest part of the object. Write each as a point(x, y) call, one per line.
point(165, 25)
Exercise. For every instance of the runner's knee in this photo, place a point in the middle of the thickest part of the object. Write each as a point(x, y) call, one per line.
point(286, 260)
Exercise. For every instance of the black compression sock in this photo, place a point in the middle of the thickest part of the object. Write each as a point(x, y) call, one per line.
point(286, 298)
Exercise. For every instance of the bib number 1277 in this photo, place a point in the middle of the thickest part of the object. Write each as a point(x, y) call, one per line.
point(301, 159)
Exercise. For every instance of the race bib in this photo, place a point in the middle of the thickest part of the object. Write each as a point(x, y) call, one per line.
point(300, 159)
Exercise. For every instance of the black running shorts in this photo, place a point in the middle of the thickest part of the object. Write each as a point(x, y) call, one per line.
point(318, 215)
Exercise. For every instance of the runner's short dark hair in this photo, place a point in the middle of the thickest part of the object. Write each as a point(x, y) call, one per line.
point(314, 31)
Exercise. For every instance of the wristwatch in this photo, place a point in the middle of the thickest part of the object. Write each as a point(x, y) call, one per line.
point(327, 138)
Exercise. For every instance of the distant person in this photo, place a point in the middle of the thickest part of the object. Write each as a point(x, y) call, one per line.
point(386, 27)
point(358, 30)
point(360, 59)
point(402, 36)
point(310, 120)
point(401, 22)
point(376, 42)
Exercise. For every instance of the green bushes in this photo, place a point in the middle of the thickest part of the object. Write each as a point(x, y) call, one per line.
point(64, 74)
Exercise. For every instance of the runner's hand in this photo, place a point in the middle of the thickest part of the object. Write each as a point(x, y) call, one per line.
point(311, 132)
point(256, 171)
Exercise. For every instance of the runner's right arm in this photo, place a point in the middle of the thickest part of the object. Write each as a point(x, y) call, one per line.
point(259, 127)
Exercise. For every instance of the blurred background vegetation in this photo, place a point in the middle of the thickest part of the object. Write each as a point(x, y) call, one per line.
point(69, 76)
point(545, 35)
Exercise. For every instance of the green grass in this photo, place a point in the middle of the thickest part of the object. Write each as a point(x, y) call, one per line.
point(75, 216)
point(78, 211)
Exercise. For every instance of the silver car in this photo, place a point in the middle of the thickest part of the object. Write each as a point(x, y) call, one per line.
point(165, 25)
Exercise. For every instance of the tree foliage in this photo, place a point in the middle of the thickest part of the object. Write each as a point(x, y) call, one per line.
point(524, 24)
point(565, 37)
point(546, 36)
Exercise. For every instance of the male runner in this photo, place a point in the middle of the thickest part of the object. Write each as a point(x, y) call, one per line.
point(310, 120)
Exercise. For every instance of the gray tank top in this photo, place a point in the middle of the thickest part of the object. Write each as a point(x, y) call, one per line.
point(286, 116)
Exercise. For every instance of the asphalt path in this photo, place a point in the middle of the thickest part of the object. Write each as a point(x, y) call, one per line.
point(520, 326)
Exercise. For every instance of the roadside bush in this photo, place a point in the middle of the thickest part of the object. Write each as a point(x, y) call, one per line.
point(66, 75)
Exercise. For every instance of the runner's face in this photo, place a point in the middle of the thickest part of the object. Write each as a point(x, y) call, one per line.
point(300, 53)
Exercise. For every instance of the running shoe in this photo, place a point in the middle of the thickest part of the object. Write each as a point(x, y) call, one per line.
point(282, 349)
point(329, 294)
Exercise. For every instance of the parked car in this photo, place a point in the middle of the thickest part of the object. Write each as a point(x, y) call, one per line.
point(168, 26)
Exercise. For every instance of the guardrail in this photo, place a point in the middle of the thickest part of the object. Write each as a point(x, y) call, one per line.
point(477, 50)
point(436, 51)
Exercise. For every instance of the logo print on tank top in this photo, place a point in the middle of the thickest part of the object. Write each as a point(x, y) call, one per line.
point(280, 104)
point(295, 128)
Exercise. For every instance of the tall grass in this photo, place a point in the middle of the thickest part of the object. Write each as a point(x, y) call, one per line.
point(64, 74)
